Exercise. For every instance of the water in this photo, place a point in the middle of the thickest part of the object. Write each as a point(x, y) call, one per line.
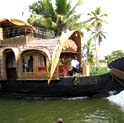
point(75, 110)
point(118, 99)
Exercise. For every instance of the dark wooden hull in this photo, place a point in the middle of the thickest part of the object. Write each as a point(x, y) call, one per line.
point(91, 86)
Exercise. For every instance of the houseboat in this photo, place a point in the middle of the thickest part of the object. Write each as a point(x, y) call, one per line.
point(34, 62)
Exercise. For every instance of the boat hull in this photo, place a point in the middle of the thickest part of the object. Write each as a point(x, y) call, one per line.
point(91, 86)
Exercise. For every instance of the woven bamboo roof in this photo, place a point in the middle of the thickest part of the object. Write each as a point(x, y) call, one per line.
point(8, 22)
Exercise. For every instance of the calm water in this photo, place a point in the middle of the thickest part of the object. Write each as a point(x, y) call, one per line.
point(110, 110)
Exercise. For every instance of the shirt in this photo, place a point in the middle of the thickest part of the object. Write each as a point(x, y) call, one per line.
point(74, 63)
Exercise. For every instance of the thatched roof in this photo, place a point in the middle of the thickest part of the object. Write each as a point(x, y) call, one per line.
point(69, 45)
point(8, 22)
point(71, 35)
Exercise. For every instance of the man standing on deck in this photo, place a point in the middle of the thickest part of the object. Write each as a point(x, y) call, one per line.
point(75, 66)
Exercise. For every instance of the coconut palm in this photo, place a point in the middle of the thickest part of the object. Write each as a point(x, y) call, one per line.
point(58, 17)
point(99, 35)
point(96, 21)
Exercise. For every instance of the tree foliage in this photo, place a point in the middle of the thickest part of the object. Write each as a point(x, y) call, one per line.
point(114, 55)
point(88, 55)
point(95, 23)
point(59, 17)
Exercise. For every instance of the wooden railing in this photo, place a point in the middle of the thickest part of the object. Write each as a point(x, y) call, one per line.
point(21, 40)
point(12, 32)
point(35, 75)
point(39, 73)
point(16, 31)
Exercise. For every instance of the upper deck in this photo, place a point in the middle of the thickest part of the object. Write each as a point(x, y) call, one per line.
point(12, 33)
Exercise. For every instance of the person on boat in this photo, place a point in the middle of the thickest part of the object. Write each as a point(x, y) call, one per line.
point(60, 120)
point(65, 60)
point(30, 64)
point(64, 64)
point(75, 66)
point(24, 65)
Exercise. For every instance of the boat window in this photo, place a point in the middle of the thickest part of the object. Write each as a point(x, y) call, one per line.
point(11, 32)
point(36, 64)
point(10, 61)
point(42, 60)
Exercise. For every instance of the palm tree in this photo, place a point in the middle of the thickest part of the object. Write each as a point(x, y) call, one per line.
point(88, 49)
point(99, 34)
point(96, 21)
point(58, 17)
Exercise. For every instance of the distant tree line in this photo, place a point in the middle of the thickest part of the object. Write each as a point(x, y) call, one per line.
point(114, 55)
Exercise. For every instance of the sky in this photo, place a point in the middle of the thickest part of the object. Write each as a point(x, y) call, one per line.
point(114, 9)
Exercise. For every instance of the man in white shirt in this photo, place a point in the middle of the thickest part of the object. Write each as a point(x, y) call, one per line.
point(75, 66)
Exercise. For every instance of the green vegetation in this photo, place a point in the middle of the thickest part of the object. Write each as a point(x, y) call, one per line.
point(59, 17)
point(97, 34)
point(101, 70)
point(114, 55)
point(96, 22)
point(88, 55)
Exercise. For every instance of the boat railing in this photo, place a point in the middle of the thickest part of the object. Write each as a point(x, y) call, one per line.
point(43, 33)
point(35, 75)
point(16, 31)
point(39, 73)
point(36, 32)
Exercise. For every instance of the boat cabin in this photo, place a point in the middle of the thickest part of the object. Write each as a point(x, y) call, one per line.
point(27, 53)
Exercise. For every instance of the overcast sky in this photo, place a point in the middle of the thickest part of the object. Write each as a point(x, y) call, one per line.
point(114, 9)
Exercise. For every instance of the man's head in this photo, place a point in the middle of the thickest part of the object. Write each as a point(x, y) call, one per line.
point(75, 57)
point(59, 120)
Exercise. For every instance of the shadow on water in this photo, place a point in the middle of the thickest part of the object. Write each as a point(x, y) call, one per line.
point(72, 110)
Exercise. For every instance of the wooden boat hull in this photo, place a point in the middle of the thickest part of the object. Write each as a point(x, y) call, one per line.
point(91, 86)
